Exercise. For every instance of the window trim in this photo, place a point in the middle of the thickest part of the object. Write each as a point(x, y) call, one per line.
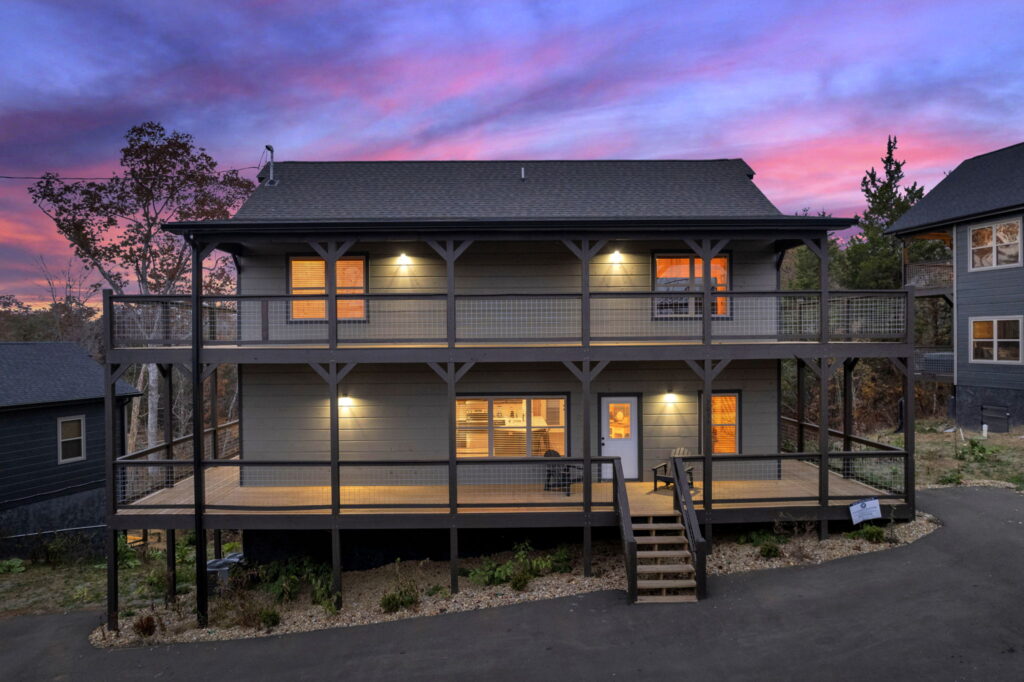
point(491, 395)
point(61, 440)
point(739, 421)
point(995, 266)
point(655, 255)
point(352, 255)
point(994, 319)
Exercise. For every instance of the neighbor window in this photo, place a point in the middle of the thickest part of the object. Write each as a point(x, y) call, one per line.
point(308, 275)
point(995, 245)
point(685, 272)
point(995, 339)
point(70, 439)
point(510, 426)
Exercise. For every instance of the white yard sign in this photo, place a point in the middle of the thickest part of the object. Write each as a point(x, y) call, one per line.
point(865, 510)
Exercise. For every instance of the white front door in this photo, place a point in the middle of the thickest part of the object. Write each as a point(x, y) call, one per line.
point(620, 434)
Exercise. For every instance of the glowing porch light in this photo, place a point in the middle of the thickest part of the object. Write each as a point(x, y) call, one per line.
point(616, 256)
point(345, 401)
point(404, 260)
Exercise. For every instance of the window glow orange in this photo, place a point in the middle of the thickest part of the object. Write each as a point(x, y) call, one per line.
point(725, 424)
point(309, 277)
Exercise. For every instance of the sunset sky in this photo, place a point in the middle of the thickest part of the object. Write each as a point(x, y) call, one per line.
point(806, 92)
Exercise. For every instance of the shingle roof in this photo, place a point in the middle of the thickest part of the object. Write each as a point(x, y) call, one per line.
point(982, 184)
point(38, 373)
point(467, 190)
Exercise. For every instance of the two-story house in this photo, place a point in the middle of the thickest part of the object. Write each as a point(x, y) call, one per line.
point(976, 211)
point(514, 344)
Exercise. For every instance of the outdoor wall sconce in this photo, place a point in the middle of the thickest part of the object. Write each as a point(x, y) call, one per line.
point(404, 260)
point(616, 256)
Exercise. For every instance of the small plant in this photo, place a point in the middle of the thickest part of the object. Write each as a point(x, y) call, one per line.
point(872, 534)
point(403, 596)
point(760, 537)
point(232, 547)
point(561, 560)
point(127, 557)
point(12, 566)
point(1017, 480)
point(144, 626)
point(520, 580)
point(974, 451)
point(769, 550)
point(955, 477)
point(269, 618)
point(438, 590)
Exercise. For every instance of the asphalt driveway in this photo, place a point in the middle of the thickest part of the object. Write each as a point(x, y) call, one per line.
point(948, 607)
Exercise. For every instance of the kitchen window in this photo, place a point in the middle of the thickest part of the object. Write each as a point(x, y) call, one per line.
point(510, 426)
point(995, 245)
point(685, 272)
point(996, 339)
point(307, 275)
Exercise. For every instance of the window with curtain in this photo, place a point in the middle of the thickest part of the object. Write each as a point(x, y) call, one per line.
point(685, 272)
point(996, 245)
point(725, 424)
point(308, 275)
point(510, 426)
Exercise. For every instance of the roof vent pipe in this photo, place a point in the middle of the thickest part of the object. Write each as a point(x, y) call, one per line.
point(270, 148)
point(522, 173)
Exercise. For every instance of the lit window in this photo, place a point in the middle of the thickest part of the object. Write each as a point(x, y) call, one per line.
point(996, 339)
point(70, 439)
point(685, 272)
point(510, 426)
point(995, 245)
point(308, 276)
point(725, 424)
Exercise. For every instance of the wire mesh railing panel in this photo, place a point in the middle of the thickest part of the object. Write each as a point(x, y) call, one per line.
point(394, 320)
point(884, 474)
point(490, 482)
point(394, 484)
point(771, 316)
point(142, 324)
point(869, 317)
point(645, 317)
point(220, 321)
point(931, 275)
point(255, 487)
point(283, 320)
point(154, 484)
point(517, 318)
point(933, 360)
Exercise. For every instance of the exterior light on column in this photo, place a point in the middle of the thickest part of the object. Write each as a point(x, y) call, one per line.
point(670, 395)
point(345, 401)
point(616, 256)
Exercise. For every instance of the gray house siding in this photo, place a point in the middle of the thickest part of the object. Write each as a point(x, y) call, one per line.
point(986, 293)
point(399, 411)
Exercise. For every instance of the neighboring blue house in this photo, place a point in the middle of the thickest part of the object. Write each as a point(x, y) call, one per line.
point(52, 445)
point(976, 210)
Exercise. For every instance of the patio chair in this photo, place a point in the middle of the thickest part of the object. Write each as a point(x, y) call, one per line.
point(561, 476)
point(661, 474)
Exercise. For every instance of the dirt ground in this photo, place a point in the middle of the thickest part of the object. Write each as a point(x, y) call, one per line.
point(964, 456)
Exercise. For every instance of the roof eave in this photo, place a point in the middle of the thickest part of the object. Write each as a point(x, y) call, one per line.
point(949, 222)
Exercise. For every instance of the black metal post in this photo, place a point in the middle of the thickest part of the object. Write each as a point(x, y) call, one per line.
point(214, 416)
point(707, 446)
point(336, 566)
point(823, 426)
point(801, 404)
point(453, 558)
point(198, 477)
point(585, 293)
point(585, 403)
point(453, 478)
point(333, 392)
point(109, 435)
point(331, 281)
point(848, 427)
point(170, 549)
point(909, 444)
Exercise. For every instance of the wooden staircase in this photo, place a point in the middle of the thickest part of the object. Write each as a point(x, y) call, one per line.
point(664, 564)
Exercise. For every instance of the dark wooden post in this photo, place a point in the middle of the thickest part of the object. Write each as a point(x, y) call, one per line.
point(824, 284)
point(585, 256)
point(585, 404)
point(849, 365)
point(214, 416)
point(707, 443)
point(824, 373)
point(109, 384)
point(801, 404)
point(172, 570)
point(199, 253)
point(170, 549)
point(909, 444)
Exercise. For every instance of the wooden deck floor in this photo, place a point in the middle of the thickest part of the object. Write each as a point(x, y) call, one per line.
point(799, 479)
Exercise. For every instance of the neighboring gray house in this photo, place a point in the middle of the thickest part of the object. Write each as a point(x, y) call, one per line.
point(52, 442)
point(976, 211)
point(513, 344)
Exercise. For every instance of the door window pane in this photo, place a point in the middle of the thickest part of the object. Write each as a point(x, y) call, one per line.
point(619, 420)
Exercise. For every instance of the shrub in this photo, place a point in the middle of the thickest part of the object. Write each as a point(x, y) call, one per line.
point(561, 560)
point(520, 580)
point(127, 557)
point(401, 598)
point(12, 566)
point(954, 477)
point(438, 590)
point(974, 451)
point(873, 534)
point(269, 618)
point(144, 626)
point(769, 550)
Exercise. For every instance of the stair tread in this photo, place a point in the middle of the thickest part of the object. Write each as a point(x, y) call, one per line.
point(664, 584)
point(661, 540)
point(658, 526)
point(664, 568)
point(662, 554)
point(665, 599)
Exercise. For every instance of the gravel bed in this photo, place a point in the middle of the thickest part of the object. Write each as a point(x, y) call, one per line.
point(362, 590)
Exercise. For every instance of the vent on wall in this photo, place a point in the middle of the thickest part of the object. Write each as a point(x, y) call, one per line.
point(997, 417)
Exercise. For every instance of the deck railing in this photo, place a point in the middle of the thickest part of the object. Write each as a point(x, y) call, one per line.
point(694, 536)
point(929, 275)
point(621, 501)
point(934, 361)
point(383, 320)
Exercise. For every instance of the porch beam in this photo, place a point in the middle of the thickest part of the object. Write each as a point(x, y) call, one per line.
point(707, 446)
point(909, 469)
point(453, 475)
point(169, 546)
point(110, 537)
point(585, 402)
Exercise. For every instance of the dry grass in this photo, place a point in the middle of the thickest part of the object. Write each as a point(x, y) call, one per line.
point(944, 458)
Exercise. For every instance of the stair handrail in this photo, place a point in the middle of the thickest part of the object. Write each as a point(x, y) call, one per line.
point(698, 545)
point(626, 528)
